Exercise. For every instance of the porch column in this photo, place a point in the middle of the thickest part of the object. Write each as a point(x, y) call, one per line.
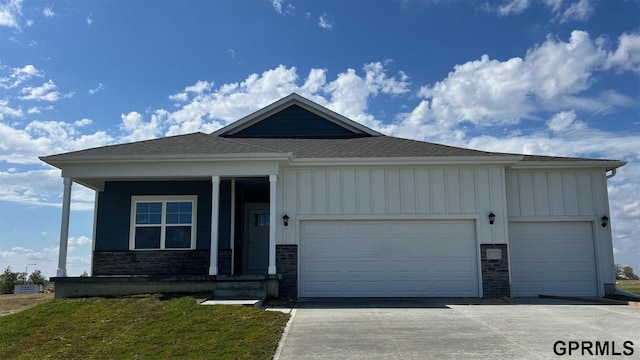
point(273, 181)
point(64, 228)
point(215, 209)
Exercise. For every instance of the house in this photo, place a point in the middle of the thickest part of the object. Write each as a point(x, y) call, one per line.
point(309, 203)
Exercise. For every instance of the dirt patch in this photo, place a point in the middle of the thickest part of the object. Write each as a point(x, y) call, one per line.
point(12, 303)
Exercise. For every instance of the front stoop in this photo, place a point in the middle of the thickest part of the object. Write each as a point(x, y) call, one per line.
point(240, 290)
point(246, 287)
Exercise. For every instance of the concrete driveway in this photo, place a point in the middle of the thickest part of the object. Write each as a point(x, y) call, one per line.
point(459, 329)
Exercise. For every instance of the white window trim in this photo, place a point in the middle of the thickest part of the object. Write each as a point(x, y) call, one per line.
point(163, 199)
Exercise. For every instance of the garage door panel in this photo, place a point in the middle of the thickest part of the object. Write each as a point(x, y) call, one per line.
point(553, 258)
point(388, 258)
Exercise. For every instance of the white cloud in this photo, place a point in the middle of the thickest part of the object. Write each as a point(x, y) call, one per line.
point(46, 92)
point(137, 129)
point(80, 240)
point(42, 188)
point(324, 22)
point(627, 56)
point(38, 138)
point(48, 12)
point(11, 13)
point(563, 121)
point(281, 8)
point(100, 87)
point(513, 7)
point(89, 19)
point(231, 53)
point(199, 87)
point(6, 110)
point(580, 10)
point(19, 75)
point(491, 92)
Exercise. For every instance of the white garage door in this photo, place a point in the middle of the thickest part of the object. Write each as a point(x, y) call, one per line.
point(552, 258)
point(388, 258)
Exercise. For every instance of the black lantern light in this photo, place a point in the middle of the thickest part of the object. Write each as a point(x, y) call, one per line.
point(285, 220)
point(605, 221)
point(492, 218)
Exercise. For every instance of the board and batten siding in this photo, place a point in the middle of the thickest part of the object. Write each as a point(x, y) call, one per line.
point(394, 192)
point(564, 195)
point(556, 193)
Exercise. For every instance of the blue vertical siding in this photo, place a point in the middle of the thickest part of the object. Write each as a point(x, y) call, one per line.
point(296, 122)
point(114, 210)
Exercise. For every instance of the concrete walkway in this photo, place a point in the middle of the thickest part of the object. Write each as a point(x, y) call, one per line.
point(457, 329)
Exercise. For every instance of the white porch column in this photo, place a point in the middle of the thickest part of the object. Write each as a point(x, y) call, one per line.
point(64, 228)
point(273, 181)
point(215, 209)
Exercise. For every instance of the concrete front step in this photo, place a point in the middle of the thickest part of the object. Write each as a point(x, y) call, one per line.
point(240, 285)
point(239, 294)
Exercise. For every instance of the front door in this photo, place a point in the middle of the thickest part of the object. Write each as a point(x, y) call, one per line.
point(256, 238)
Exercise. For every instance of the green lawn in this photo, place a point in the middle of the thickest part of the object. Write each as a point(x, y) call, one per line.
point(145, 327)
point(632, 286)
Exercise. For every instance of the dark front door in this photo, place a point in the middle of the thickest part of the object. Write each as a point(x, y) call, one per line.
point(256, 239)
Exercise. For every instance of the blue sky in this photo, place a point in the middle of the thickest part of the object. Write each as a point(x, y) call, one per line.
point(551, 77)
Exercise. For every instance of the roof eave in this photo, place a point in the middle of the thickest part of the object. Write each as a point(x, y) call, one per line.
point(413, 160)
point(564, 164)
point(51, 160)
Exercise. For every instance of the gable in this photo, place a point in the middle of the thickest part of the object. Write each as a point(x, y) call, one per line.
point(295, 117)
point(296, 122)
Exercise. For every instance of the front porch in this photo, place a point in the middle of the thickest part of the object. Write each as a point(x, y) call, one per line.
point(257, 287)
point(233, 252)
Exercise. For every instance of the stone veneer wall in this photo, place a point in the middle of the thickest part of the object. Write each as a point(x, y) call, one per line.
point(224, 261)
point(154, 262)
point(495, 273)
point(287, 266)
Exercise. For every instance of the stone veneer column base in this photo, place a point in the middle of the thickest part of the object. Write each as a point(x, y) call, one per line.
point(287, 267)
point(495, 272)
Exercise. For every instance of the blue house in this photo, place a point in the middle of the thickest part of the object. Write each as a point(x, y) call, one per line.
point(296, 200)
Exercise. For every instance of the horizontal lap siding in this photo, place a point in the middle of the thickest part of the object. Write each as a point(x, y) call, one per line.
point(396, 191)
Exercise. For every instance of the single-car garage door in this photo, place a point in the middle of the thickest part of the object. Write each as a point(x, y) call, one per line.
point(394, 258)
point(552, 258)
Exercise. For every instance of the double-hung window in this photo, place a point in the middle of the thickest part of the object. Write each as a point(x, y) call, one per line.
point(163, 222)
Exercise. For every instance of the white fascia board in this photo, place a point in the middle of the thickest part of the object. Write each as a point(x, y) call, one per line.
point(171, 158)
point(94, 173)
point(399, 161)
point(572, 164)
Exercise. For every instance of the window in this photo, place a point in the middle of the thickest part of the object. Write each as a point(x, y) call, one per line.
point(163, 222)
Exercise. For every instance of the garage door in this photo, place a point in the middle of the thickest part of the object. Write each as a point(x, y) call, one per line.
point(388, 258)
point(552, 258)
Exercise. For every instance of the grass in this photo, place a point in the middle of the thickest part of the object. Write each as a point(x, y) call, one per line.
point(11, 303)
point(144, 327)
point(632, 286)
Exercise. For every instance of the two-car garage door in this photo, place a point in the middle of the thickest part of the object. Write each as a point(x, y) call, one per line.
point(366, 258)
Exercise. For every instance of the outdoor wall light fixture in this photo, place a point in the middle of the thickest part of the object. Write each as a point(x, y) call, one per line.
point(285, 220)
point(492, 218)
point(605, 221)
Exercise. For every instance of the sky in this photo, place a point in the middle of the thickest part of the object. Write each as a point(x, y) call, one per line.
point(547, 77)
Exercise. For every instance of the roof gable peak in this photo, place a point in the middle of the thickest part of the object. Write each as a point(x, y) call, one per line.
point(295, 116)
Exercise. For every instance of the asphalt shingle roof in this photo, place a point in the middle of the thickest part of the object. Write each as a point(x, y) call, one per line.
point(201, 144)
